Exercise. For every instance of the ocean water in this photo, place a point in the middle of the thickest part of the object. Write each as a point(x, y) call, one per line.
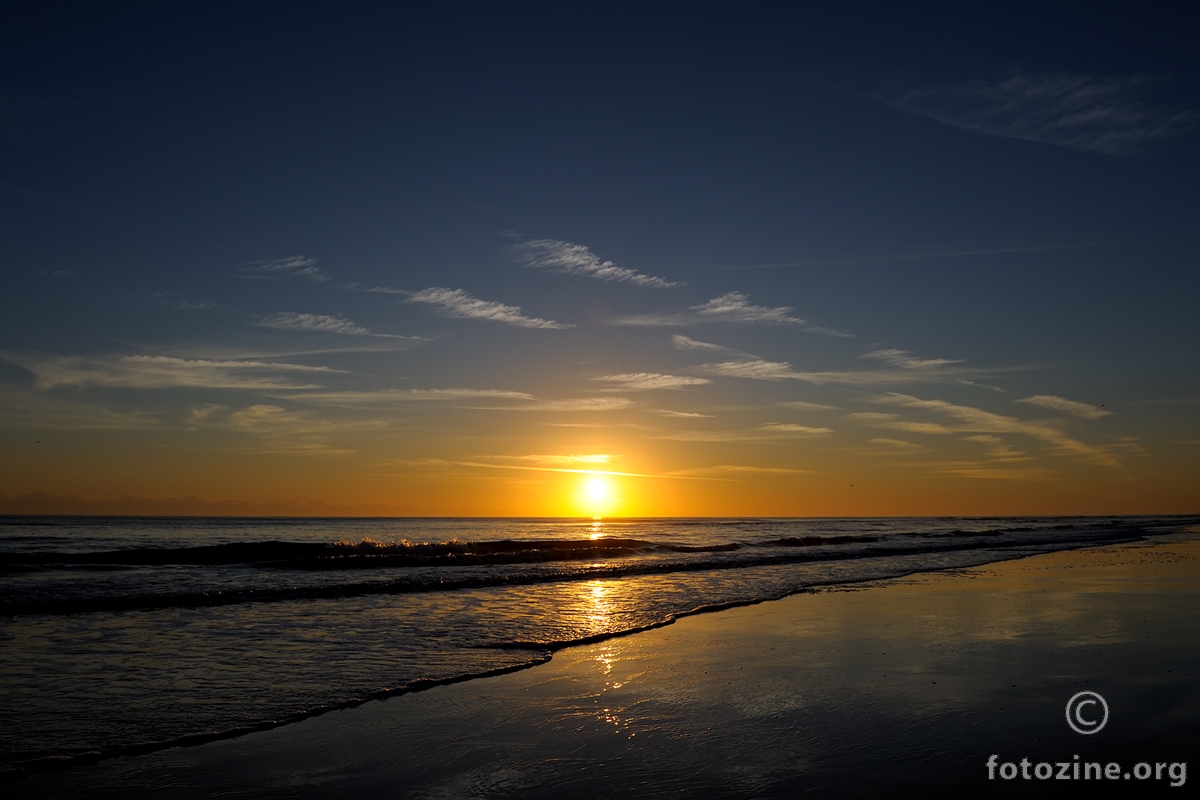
point(123, 635)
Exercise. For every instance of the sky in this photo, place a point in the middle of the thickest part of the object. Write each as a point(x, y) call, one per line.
point(523, 259)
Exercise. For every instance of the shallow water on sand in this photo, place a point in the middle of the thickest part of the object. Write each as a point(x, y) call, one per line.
point(121, 635)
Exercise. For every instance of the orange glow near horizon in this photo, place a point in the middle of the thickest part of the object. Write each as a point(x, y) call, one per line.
point(549, 478)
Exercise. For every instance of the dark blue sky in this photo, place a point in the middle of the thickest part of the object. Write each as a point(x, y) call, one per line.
point(882, 201)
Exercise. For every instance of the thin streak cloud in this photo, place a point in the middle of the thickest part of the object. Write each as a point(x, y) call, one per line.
point(739, 469)
point(474, 399)
point(905, 359)
point(457, 303)
point(559, 460)
point(736, 307)
point(387, 398)
point(681, 342)
point(292, 266)
point(568, 470)
point(731, 307)
point(553, 255)
point(770, 433)
point(641, 381)
point(1072, 407)
point(802, 405)
point(762, 370)
point(319, 323)
point(789, 428)
point(162, 372)
point(976, 420)
point(900, 444)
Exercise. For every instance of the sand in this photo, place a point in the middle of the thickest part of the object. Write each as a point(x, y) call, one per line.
point(895, 688)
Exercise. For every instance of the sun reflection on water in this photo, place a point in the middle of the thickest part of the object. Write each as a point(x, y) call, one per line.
point(599, 606)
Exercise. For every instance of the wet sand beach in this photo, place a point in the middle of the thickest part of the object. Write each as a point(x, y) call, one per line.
point(892, 688)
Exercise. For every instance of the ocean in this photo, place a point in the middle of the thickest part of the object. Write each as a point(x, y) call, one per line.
point(125, 635)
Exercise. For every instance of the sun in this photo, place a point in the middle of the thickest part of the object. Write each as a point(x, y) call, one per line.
point(597, 495)
point(597, 490)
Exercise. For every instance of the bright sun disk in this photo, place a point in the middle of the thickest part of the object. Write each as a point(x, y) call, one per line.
point(597, 489)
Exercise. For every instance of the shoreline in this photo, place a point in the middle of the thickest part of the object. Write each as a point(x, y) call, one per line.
point(541, 654)
point(660, 660)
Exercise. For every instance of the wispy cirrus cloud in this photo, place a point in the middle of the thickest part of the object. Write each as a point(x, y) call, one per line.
point(458, 303)
point(894, 422)
point(978, 385)
point(904, 368)
point(666, 412)
point(776, 432)
point(279, 430)
point(578, 461)
point(906, 360)
point(270, 419)
point(554, 255)
point(738, 469)
point(967, 419)
point(899, 444)
point(389, 398)
point(969, 469)
point(1072, 407)
point(756, 369)
point(998, 449)
point(578, 470)
point(1109, 115)
point(642, 381)
point(680, 342)
point(291, 266)
point(477, 399)
point(320, 323)
point(579, 404)
point(762, 370)
point(802, 405)
point(793, 429)
point(731, 308)
point(162, 372)
point(736, 307)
